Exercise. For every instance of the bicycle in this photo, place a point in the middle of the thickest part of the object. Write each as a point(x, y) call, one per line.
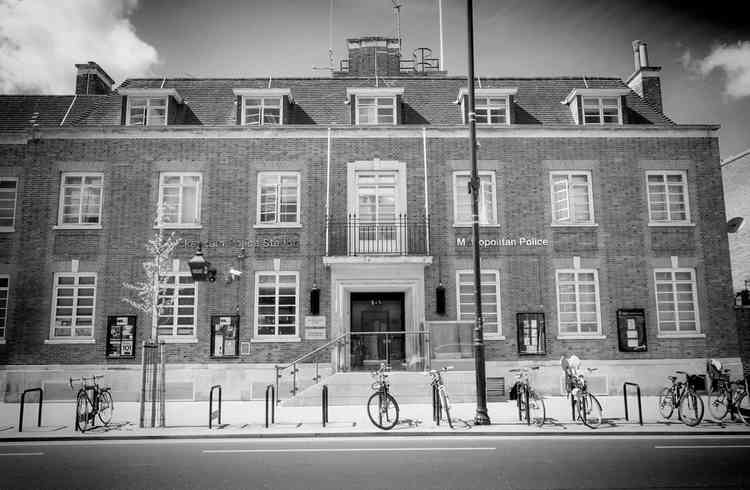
point(683, 396)
point(725, 396)
point(586, 407)
point(88, 407)
point(530, 403)
point(382, 408)
point(443, 400)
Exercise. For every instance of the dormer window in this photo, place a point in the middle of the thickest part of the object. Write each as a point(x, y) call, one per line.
point(596, 106)
point(147, 111)
point(262, 107)
point(491, 105)
point(375, 106)
point(148, 107)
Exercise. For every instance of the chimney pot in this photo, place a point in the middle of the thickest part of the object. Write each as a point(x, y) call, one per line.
point(645, 79)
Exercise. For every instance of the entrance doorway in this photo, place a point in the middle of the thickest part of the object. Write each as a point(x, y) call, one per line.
point(378, 330)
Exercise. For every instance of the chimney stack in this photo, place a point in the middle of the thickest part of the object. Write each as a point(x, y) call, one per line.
point(91, 79)
point(645, 79)
point(374, 53)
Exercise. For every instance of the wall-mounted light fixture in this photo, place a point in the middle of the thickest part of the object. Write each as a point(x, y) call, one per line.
point(440, 298)
point(315, 300)
point(200, 268)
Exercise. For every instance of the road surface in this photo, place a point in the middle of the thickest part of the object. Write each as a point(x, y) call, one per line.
point(478, 462)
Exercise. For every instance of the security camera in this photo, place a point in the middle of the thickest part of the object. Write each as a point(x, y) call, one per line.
point(235, 273)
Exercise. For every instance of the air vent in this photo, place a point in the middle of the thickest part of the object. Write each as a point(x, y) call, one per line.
point(496, 390)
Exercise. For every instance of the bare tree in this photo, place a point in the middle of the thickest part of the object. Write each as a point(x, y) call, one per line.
point(149, 297)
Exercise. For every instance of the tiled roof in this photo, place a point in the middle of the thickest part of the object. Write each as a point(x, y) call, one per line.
point(427, 100)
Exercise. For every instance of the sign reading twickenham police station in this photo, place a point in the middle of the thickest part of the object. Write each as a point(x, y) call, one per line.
point(523, 241)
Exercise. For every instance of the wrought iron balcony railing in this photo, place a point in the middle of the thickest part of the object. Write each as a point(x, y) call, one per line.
point(357, 236)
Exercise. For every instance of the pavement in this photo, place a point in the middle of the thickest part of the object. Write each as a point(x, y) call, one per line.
point(246, 419)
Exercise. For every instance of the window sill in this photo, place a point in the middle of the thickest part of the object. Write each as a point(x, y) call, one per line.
point(178, 340)
point(175, 226)
point(659, 224)
point(77, 227)
point(574, 225)
point(494, 337)
point(686, 335)
point(581, 337)
point(69, 341)
point(266, 340)
point(469, 225)
point(280, 225)
point(6, 229)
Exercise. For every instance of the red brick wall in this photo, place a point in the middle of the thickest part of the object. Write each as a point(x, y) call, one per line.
point(623, 248)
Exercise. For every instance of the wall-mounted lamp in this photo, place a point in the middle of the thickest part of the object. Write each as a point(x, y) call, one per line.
point(200, 268)
point(315, 300)
point(440, 298)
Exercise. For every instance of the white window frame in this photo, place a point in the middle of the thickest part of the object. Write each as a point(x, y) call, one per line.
point(376, 105)
point(72, 338)
point(147, 108)
point(486, 94)
point(174, 337)
point(12, 227)
point(61, 203)
point(261, 110)
point(677, 332)
point(579, 335)
point(488, 335)
point(277, 223)
point(554, 199)
point(483, 102)
point(257, 337)
point(493, 205)
point(4, 314)
point(600, 104)
point(669, 221)
point(198, 199)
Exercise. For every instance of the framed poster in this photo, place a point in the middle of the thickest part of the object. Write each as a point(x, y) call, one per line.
point(225, 335)
point(531, 334)
point(121, 336)
point(631, 330)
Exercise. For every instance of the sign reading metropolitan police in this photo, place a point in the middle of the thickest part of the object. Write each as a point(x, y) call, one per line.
point(464, 242)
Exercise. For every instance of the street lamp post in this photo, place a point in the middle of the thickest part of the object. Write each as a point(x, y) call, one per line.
point(482, 418)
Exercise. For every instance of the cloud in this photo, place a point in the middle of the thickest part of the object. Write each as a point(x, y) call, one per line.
point(733, 60)
point(42, 40)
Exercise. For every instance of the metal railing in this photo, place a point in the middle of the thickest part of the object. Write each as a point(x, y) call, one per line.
point(23, 402)
point(451, 340)
point(625, 398)
point(402, 350)
point(211, 414)
point(334, 348)
point(363, 236)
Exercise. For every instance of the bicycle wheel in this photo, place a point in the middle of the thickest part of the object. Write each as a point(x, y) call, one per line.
point(106, 406)
point(718, 403)
point(446, 402)
point(666, 403)
point(743, 408)
point(593, 411)
point(537, 410)
point(84, 421)
point(690, 409)
point(382, 410)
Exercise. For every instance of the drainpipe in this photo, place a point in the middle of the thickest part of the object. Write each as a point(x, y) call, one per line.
point(328, 185)
point(426, 191)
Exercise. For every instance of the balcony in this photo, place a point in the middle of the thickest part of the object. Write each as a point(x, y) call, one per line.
point(356, 236)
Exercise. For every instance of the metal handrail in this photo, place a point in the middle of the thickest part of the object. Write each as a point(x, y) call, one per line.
point(279, 368)
point(23, 402)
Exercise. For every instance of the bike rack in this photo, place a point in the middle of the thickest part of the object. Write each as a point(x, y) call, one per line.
point(270, 389)
point(625, 397)
point(436, 405)
point(23, 401)
point(325, 404)
point(211, 406)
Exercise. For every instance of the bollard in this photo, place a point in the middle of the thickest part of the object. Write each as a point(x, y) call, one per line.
point(211, 405)
point(528, 408)
point(23, 401)
point(625, 398)
point(573, 407)
point(270, 389)
point(325, 404)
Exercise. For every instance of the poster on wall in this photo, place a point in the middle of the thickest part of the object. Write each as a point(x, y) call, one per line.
point(121, 336)
point(225, 335)
point(631, 330)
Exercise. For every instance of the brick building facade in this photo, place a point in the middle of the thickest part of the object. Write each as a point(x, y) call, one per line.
point(594, 205)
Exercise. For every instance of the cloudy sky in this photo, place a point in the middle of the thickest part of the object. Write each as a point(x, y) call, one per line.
point(704, 48)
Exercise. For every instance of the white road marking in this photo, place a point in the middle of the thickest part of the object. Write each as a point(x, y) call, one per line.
point(21, 454)
point(705, 446)
point(347, 450)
